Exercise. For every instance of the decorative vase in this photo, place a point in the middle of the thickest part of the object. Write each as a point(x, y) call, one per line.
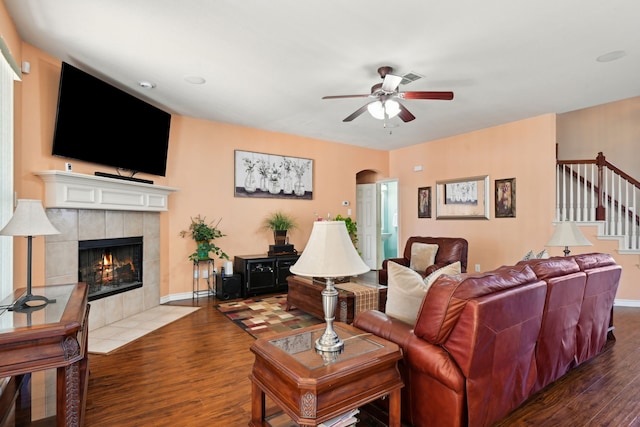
point(263, 183)
point(274, 187)
point(280, 237)
point(287, 187)
point(250, 183)
point(298, 188)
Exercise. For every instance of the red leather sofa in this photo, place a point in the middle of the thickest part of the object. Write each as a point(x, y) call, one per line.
point(450, 250)
point(484, 343)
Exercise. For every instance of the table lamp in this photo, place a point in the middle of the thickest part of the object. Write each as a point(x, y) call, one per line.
point(568, 234)
point(330, 254)
point(29, 220)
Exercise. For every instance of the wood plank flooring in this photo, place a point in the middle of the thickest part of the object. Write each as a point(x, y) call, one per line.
point(193, 372)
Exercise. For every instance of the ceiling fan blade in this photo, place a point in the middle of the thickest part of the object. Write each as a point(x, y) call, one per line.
point(357, 113)
point(390, 83)
point(345, 96)
point(446, 96)
point(405, 115)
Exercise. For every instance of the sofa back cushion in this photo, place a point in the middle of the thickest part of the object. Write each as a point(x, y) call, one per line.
point(603, 277)
point(450, 249)
point(448, 296)
point(557, 346)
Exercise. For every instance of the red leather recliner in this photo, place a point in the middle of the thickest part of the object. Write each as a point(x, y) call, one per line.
point(450, 250)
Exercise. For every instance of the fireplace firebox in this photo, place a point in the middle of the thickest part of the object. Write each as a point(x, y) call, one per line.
point(110, 266)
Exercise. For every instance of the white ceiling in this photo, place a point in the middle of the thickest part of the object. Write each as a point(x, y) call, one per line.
point(267, 64)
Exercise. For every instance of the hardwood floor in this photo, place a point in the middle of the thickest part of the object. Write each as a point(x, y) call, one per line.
point(194, 372)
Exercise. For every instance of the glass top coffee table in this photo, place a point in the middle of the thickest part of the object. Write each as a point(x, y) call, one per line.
point(312, 387)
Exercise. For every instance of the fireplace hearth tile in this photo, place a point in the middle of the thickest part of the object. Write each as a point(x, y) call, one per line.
point(111, 337)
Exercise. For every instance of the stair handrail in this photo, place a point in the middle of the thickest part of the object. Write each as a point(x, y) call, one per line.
point(608, 195)
point(601, 162)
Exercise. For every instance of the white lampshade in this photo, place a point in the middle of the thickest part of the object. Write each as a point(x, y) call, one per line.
point(568, 234)
point(29, 219)
point(329, 253)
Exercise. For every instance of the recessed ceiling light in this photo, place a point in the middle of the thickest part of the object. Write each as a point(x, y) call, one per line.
point(194, 80)
point(611, 56)
point(146, 85)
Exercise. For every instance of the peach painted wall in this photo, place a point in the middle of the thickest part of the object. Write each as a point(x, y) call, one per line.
point(614, 126)
point(521, 150)
point(201, 166)
point(524, 150)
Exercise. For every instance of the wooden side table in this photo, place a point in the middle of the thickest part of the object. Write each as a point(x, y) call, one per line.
point(312, 388)
point(306, 294)
point(52, 337)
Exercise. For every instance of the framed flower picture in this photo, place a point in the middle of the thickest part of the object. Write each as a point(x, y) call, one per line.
point(272, 176)
point(505, 190)
point(424, 202)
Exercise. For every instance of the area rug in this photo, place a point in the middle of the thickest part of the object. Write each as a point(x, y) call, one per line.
point(261, 317)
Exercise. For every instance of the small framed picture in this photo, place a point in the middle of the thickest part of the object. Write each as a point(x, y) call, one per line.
point(424, 202)
point(505, 198)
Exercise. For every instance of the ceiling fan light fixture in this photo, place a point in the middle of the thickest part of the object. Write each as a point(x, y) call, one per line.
point(392, 108)
point(384, 110)
point(376, 109)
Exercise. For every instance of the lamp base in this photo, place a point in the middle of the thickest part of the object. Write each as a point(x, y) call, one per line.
point(329, 341)
point(26, 303)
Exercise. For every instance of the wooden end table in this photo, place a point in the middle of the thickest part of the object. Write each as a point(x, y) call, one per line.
point(306, 294)
point(54, 336)
point(312, 388)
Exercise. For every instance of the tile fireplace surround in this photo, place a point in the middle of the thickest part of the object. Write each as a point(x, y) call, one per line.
point(117, 219)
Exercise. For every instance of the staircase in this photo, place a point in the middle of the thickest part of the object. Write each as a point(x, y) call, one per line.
point(595, 192)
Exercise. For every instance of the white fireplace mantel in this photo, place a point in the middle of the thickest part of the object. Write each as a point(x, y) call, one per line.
point(78, 191)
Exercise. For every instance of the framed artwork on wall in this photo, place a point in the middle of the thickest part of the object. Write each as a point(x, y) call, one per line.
point(464, 198)
point(272, 176)
point(424, 202)
point(505, 198)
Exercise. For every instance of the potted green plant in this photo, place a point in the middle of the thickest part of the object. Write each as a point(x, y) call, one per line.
point(204, 233)
point(279, 223)
point(352, 228)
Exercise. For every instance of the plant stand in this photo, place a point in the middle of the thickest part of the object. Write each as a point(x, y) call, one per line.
point(203, 270)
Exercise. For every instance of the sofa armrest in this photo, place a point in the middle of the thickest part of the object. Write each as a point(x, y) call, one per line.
point(401, 261)
point(422, 357)
point(383, 326)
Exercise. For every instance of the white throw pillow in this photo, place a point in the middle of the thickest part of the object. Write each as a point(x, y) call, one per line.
point(543, 255)
point(529, 255)
point(451, 269)
point(422, 256)
point(406, 290)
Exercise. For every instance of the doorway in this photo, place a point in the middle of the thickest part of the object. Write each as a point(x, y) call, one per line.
point(377, 219)
point(388, 191)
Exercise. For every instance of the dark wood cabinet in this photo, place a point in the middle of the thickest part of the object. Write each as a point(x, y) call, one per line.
point(263, 274)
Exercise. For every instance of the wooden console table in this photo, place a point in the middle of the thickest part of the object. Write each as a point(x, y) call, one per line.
point(51, 337)
point(312, 387)
point(306, 294)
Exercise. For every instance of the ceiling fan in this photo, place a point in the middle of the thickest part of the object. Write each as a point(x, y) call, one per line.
point(385, 105)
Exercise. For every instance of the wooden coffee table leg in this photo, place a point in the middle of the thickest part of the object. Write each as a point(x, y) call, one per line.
point(394, 408)
point(257, 405)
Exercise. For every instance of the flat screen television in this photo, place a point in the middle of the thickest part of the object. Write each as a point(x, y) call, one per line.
point(99, 123)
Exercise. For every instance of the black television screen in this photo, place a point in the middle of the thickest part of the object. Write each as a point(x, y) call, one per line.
point(99, 123)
